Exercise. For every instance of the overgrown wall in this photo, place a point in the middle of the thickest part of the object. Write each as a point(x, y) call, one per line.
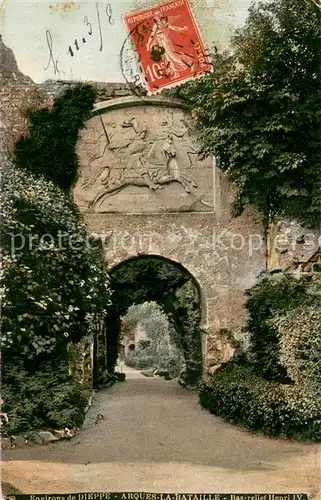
point(224, 255)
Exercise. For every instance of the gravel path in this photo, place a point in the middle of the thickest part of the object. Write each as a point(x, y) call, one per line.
point(155, 437)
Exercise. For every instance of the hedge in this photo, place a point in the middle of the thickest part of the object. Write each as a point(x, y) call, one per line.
point(140, 361)
point(273, 296)
point(300, 345)
point(50, 288)
point(50, 294)
point(237, 394)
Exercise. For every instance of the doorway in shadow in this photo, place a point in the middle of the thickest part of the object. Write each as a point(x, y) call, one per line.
point(152, 278)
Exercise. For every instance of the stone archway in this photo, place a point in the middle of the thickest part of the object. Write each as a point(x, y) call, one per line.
point(153, 278)
point(145, 190)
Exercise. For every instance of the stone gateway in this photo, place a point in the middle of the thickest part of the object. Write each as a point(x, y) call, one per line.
point(145, 190)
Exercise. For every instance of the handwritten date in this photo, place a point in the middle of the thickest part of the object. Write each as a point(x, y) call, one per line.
point(78, 42)
point(89, 25)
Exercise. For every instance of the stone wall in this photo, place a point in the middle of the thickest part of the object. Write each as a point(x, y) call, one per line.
point(292, 246)
point(223, 272)
point(18, 93)
point(225, 255)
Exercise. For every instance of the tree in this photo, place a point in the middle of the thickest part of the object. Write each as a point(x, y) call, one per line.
point(260, 111)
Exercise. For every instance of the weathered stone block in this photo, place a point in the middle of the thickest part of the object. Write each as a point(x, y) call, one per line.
point(6, 443)
point(19, 441)
point(35, 438)
point(143, 162)
point(46, 436)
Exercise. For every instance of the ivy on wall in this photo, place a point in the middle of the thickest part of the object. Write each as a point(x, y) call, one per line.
point(273, 295)
point(49, 148)
point(186, 318)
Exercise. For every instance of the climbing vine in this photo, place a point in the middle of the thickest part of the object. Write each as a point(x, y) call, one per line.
point(49, 147)
point(186, 318)
point(275, 294)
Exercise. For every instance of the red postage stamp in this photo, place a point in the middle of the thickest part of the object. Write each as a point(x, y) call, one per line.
point(168, 44)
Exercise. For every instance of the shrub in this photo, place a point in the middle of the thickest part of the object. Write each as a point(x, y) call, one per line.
point(300, 345)
point(237, 394)
point(48, 398)
point(50, 294)
point(106, 379)
point(274, 295)
point(51, 290)
point(121, 377)
point(140, 361)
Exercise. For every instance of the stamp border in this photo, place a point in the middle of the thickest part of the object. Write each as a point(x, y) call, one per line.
point(196, 25)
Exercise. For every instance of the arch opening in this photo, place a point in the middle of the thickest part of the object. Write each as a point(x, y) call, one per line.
point(174, 289)
point(157, 345)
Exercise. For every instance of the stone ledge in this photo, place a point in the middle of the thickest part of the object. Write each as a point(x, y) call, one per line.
point(37, 437)
point(129, 101)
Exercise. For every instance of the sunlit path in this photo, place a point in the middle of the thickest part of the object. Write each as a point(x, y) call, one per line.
point(155, 437)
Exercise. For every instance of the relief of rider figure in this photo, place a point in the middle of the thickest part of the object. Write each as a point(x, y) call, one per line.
point(138, 161)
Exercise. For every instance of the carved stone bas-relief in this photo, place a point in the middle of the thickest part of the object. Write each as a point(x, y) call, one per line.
point(142, 160)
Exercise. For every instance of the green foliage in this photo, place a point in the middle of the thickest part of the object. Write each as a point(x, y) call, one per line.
point(140, 360)
point(51, 288)
point(146, 279)
point(45, 398)
point(106, 379)
point(49, 148)
point(299, 333)
point(237, 394)
point(272, 296)
point(121, 377)
point(187, 311)
point(160, 348)
point(276, 388)
point(54, 282)
point(260, 111)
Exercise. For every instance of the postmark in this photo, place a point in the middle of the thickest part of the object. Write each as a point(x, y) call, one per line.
point(168, 45)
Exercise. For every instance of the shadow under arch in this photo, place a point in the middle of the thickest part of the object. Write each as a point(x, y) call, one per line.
point(156, 278)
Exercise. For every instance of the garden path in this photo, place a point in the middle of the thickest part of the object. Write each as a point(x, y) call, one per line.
point(155, 437)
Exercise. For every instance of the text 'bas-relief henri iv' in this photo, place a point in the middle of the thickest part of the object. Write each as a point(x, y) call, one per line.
point(142, 160)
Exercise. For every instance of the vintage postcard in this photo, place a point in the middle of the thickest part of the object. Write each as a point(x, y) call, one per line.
point(160, 235)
